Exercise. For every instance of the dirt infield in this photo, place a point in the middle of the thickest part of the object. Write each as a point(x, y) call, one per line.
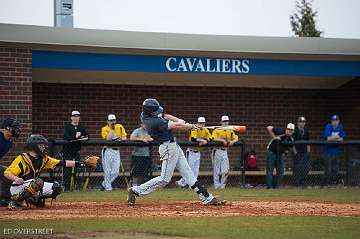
point(179, 209)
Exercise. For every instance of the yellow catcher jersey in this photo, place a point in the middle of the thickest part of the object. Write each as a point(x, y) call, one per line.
point(119, 131)
point(24, 168)
point(226, 134)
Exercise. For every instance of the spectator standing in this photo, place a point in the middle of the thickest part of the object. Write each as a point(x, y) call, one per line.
point(193, 154)
point(333, 132)
point(74, 133)
point(111, 155)
point(276, 152)
point(219, 155)
point(140, 159)
point(301, 159)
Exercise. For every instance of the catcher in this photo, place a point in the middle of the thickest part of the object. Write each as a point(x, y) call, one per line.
point(23, 174)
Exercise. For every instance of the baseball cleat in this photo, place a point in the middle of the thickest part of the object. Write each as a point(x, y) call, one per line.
point(179, 185)
point(131, 198)
point(215, 202)
point(4, 202)
point(14, 205)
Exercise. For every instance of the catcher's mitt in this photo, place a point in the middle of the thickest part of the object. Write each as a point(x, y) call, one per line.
point(91, 161)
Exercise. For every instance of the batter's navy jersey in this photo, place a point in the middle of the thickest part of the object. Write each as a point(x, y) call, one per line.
point(5, 145)
point(158, 128)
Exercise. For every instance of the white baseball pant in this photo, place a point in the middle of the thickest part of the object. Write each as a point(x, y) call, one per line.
point(172, 157)
point(46, 190)
point(193, 159)
point(111, 166)
point(220, 161)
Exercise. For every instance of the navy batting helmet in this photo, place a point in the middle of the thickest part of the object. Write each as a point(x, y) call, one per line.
point(152, 107)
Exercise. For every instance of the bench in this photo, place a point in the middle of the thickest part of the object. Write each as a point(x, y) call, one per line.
point(201, 174)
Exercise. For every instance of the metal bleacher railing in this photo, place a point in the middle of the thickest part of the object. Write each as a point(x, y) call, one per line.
point(238, 176)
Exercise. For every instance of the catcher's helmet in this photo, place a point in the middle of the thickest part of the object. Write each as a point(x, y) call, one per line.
point(152, 107)
point(33, 142)
point(13, 125)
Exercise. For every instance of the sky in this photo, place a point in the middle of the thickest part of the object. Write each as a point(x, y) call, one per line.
point(336, 18)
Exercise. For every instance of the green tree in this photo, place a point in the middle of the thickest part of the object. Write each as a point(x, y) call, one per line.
point(302, 21)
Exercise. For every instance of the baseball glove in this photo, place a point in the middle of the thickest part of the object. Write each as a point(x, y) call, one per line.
point(91, 161)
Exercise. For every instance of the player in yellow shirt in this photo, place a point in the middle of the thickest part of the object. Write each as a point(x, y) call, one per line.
point(111, 155)
point(23, 174)
point(219, 155)
point(193, 155)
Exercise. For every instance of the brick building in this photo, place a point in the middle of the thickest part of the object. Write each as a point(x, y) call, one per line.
point(257, 81)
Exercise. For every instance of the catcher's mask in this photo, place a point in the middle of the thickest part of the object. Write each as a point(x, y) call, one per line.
point(13, 126)
point(38, 144)
point(152, 108)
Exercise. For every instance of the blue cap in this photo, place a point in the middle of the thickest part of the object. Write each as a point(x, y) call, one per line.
point(335, 117)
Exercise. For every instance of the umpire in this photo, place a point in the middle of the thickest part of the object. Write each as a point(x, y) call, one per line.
point(301, 165)
point(9, 131)
point(74, 133)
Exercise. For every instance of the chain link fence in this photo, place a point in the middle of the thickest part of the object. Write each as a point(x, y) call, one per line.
point(142, 168)
point(298, 171)
point(328, 164)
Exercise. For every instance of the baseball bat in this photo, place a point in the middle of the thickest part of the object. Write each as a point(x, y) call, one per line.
point(72, 180)
point(123, 173)
point(86, 183)
point(239, 128)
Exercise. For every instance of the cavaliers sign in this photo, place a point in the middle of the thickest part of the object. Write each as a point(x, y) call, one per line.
point(193, 65)
point(207, 65)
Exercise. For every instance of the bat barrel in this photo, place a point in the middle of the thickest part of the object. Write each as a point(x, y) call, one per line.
point(241, 128)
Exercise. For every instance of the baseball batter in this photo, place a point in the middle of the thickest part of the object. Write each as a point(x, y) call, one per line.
point(219, 155)
point(160, 128)
point(193, 154)
point(111, 155)
point(24, 173)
